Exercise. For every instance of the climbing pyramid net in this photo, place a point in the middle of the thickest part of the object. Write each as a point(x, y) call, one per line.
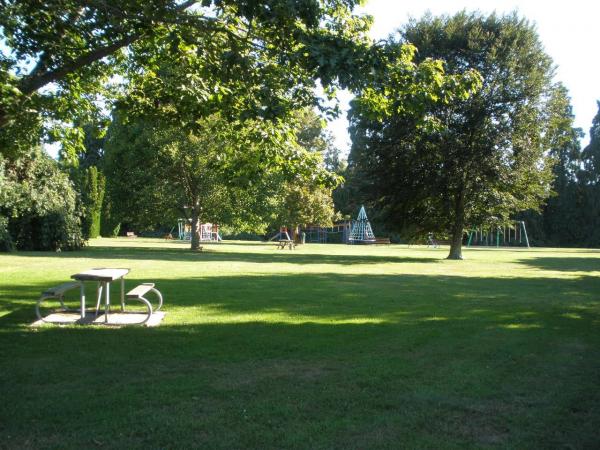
point(361, 229)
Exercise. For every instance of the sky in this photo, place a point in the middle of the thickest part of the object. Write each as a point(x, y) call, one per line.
point(568, 31)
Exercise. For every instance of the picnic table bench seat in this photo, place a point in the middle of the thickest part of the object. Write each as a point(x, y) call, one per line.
point(138, 293)
point(57, 292)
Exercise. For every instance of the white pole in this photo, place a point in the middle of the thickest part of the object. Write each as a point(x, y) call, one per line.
point(107, 304)
point(82, 298)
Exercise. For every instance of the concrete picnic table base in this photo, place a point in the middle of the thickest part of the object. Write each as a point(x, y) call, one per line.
point(90, 318)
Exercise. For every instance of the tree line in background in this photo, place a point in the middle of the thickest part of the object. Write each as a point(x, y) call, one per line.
point(571, 216)
point(456, 123)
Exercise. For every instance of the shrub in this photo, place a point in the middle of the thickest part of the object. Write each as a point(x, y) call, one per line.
point(39, 203)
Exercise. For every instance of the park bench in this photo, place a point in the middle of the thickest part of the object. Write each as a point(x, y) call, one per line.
point(130, 234)
point(138, 292)
point(382, 241)
point(57, 292)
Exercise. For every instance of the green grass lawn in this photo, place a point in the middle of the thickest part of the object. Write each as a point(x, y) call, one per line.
point(323, 347)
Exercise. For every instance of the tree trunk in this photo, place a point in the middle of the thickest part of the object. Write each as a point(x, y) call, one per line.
point(458, 228)
point(195, 233)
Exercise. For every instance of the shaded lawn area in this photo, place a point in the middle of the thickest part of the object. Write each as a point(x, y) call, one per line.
point(322, 347)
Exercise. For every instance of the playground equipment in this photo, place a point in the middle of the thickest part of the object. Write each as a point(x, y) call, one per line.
point(431, 241)
point(512, 235)
point(361, 233)
point(281, 235)
point(338, 233)
point(357, 231)
point(209, 232)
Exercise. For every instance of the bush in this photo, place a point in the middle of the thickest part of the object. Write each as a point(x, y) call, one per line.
point(39, 202)
point(59, 232)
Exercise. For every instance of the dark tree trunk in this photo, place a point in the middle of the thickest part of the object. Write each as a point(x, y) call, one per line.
point(195, 227)
point(458, 228)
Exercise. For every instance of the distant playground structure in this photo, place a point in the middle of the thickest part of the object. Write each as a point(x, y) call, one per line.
point(209, 232)
point(357, 231)
point(339, 233)
point(511, 235)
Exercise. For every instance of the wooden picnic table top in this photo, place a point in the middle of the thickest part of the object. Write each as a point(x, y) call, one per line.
point(100, 275)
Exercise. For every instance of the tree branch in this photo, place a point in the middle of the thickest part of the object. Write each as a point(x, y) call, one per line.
point(36, 80)
point(31, 84)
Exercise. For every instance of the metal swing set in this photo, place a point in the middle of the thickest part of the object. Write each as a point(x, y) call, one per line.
point(511, 235)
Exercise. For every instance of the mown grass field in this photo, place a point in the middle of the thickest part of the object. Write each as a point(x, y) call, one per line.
point(322, 347)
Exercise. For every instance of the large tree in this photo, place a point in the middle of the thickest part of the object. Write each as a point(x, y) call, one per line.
point(300, 199)
point(233, 173)
point(466, 161)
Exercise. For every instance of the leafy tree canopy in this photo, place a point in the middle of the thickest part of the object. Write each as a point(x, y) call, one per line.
point(247, 57)
point(184, 60)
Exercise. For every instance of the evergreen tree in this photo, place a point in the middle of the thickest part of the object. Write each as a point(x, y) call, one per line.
point(562, 213)
point(590, 181)
point(591, 154)
point(84, 166)
point(92, 197)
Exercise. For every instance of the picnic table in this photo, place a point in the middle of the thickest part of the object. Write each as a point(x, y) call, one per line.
point(286, 242)
point(103, 277)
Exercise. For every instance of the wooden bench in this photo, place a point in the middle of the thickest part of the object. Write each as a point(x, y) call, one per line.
point(138, 292)
point(130, 234)
point(382, 241)
point(57, 292)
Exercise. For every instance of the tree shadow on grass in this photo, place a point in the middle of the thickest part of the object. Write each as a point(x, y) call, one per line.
point(575, 264)
point(293, 361)
point(277, 256)
point(359, 298)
